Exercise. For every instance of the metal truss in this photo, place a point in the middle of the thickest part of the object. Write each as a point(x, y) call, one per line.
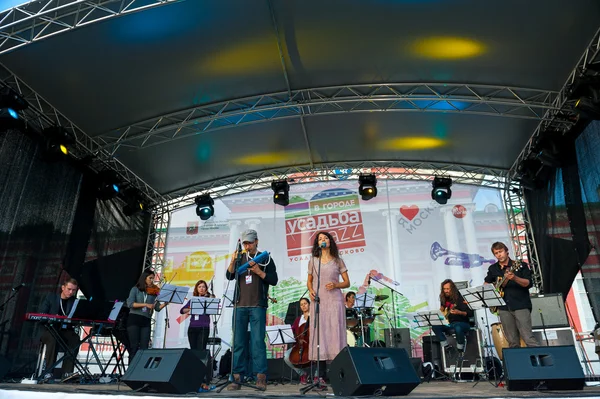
point(396, 170)
point(37, 20)
point(41, 114)
point(157, 242)
point(559, 116)
point(400, 97)
point(521, 232)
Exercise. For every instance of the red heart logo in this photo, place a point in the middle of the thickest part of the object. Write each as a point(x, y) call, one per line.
point(409, 212)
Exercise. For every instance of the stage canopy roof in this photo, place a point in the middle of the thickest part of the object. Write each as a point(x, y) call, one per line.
point(188, 93)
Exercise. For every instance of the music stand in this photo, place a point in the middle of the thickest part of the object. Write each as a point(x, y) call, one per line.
point(280, 335)
point(199, 306)
point(428, 319)
point(482, 297)
point(170, 293)
point(363, 301)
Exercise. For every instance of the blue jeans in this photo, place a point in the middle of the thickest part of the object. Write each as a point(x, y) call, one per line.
point(257, 317)
point(460, 328)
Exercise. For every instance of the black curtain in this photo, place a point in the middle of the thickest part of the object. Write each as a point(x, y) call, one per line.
point(588, 159)
point(38, 202)
point(558, 219)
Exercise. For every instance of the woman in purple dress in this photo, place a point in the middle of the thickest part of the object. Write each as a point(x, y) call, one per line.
point(199, 329)
point(332, 312)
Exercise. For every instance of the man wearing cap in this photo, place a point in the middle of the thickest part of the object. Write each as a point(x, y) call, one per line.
point(251, 307)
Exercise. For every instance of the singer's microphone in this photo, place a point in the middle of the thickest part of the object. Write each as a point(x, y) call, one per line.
point(18, 287)
point(323, 244)
point(239, 252)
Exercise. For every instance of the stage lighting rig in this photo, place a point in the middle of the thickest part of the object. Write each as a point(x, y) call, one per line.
point(441, 191)
point(281, 192)
point(10, 99)
point(58, 140)
point(204, 206)
point(108, 184)
point(367, 187)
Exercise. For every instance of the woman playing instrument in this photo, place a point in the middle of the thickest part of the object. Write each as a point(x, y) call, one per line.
point(297, 356)
point(331, 318)
point(142, 303)
point(199, 328)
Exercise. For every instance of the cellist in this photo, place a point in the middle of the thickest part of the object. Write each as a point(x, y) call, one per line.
point(297, 356)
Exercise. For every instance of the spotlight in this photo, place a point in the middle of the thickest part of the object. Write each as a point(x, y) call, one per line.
point(204, 206)
point(132, 207)
point(108, 184)
point(10, 99)
point(441, 192)
point(59, 139)
point(588, 106)
point(281, 192)
point(367, 187)
point(9, 119)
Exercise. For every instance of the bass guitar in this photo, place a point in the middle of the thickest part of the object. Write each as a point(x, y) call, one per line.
point(500, 282)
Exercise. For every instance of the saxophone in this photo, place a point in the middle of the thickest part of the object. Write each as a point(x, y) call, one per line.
point(498, 285)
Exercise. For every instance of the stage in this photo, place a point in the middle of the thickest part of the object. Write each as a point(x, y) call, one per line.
point(435, 389)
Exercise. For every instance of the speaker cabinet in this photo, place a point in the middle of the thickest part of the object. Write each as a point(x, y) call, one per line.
point(397, 338)
point(553, 367)
point(4, 367)
point(472, 361)
point(178, 371)
point(372, 371)
point(432, 352)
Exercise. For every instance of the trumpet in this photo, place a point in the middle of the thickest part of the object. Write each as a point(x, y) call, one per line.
point(457, 258)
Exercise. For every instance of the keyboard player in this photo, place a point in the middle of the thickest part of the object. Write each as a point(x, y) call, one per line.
point(60, 304)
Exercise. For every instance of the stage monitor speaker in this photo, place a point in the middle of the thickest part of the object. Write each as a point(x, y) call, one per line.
point(372, 371)
point(551, 309)
point(177, 371)
point(397, 338)
point(552, 367)
point(4, 367)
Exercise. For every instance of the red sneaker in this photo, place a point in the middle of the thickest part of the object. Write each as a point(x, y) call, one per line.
point(303, 379)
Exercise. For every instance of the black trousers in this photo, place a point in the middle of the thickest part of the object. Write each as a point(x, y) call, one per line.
point(198, 337)
point(138, 331)
point(71, 338)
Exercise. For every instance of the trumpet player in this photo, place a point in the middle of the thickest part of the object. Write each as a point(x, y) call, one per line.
point(457, 313)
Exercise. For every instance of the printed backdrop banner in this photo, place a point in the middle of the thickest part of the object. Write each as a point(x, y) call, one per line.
point(403, 240)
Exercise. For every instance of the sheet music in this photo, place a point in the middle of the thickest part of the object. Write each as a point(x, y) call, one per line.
point(173, 293)
point(280, 335)
point(114, 313)
point(204, 306)
point(364, 301)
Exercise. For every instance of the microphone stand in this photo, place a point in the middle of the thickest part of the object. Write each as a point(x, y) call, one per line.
point(230, 380)
point(544, 327)
point(14, 293)
point(318, 330)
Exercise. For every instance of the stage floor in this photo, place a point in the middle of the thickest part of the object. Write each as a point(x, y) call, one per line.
point(435, 389)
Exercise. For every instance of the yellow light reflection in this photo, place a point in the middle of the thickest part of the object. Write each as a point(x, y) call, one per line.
point(251, 56)
point(269, 158)
point(447, 48)
point(410, 144)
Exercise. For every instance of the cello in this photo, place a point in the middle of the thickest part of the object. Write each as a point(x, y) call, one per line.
point(299, 353)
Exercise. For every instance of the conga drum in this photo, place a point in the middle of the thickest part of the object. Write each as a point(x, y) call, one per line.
point(350, 338)
point(499, 339)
